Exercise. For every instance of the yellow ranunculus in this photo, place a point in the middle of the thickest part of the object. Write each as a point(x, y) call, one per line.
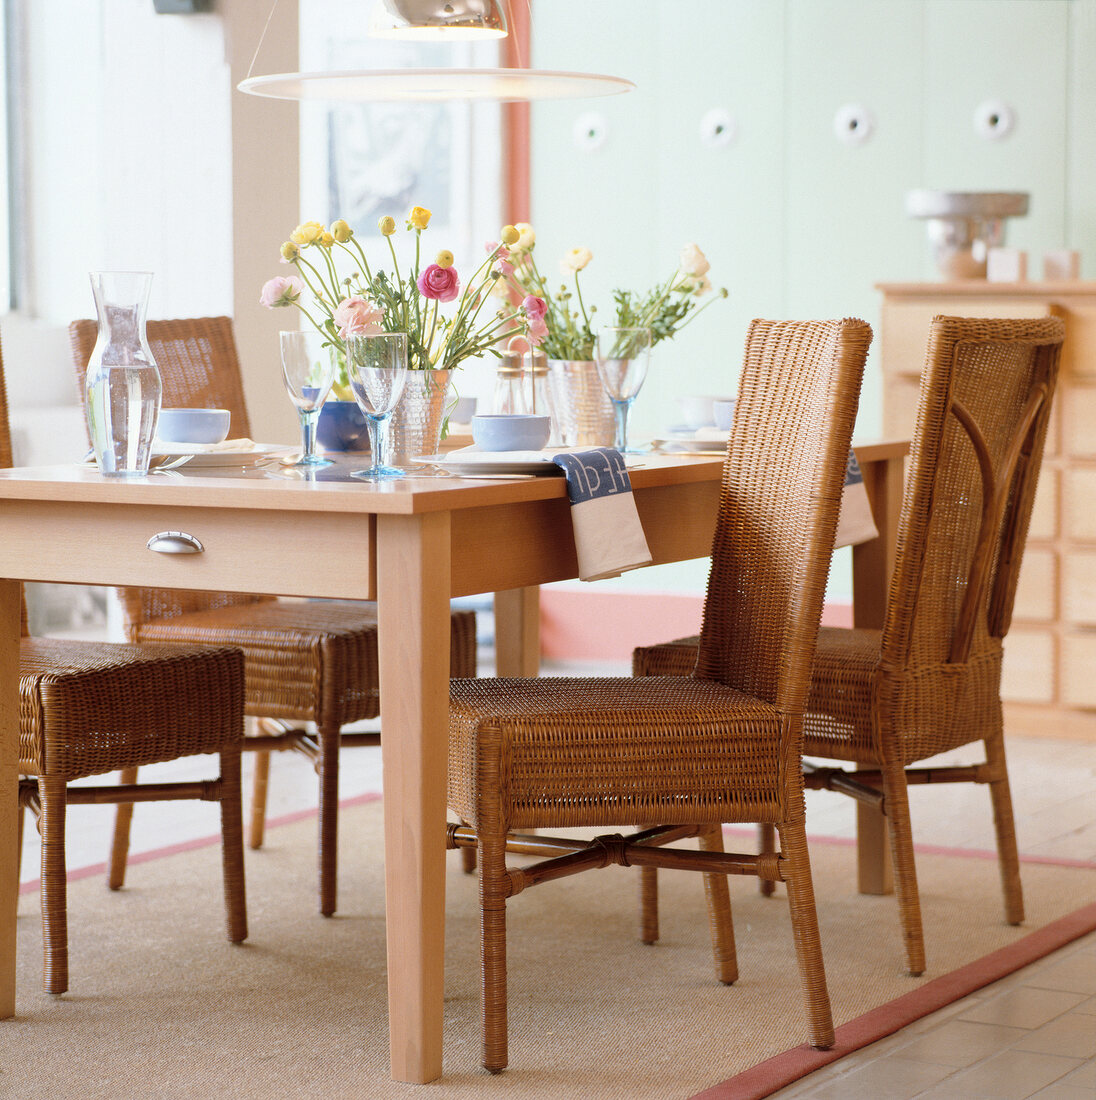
point(444, 258)
point(341, 231)
point(387, 225)
point(326, 239)
point(306, 233)
point(419, 218)
point(509, 236)
point(526, 237)
point(289, 251)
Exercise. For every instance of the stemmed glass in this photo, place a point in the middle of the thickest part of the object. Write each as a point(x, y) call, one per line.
point(623, 355)
point(378, 373)
point(308, 367)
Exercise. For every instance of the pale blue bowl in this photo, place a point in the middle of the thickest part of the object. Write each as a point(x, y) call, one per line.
point(193, 425)
point(506, 432)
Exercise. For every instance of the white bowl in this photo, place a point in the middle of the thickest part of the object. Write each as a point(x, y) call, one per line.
point(723, 410)
point(193, 425)
point(699, 411)
point(518, 432)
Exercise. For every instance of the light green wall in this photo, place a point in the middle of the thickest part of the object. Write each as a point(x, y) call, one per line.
point(795, 222)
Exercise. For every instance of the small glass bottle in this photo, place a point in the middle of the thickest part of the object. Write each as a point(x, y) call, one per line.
point(510, 384)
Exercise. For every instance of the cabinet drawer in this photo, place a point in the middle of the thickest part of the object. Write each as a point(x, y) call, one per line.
point(1037, 590)
point(1080, 503)
point(1045, 508)
point(1079, 669)
point(1076, 405)
point(1027, 673)
point(1078, 587)
point(1079, 349)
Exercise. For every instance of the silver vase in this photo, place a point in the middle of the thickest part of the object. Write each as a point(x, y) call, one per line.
point(582, 409)
point(415, 426)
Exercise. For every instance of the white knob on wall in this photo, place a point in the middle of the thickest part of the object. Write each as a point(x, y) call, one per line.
point(853, 124)
point(994, 120)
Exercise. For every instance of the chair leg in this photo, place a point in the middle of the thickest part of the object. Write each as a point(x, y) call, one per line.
point(492, 858)
point(719, 912)
point(258, 798)
point(766, 844)
point(232, 845)
point(808, 945)
point(22, 811)
point(648, 904)
point(119, 847)
point(51, 824)
point(1004, 824)
point(897, 808)
point(328, 767)
point(467, 857)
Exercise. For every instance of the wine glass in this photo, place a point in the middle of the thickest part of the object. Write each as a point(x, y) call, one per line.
point(308, 367)
point(378, 372)
point(623, 355)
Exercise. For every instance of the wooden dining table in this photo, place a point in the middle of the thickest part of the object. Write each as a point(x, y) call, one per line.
point(412, 545)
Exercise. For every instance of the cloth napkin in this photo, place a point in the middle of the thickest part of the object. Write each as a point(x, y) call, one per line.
point(855, 522)
point(609, 537)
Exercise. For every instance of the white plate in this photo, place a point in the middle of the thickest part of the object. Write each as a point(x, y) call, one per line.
point(678, 445)
point(190, 456)
point(469, 463)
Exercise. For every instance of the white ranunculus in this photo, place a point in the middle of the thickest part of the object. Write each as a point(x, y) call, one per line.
point(693, 261)
point(575, 260)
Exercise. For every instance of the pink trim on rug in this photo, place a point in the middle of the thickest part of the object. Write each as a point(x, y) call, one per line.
point(782, 1070)
point(93, 869)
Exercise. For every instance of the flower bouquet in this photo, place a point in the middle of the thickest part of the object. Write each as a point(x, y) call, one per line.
point(350, 296)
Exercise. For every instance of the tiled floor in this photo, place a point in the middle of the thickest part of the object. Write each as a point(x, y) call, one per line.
point(1032, 1034)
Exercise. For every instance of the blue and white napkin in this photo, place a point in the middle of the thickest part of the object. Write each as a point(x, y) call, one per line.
point(609, 537)
point(855, 523)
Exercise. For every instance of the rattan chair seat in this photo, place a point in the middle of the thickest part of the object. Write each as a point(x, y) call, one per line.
point(88, 708)
point(614, 752)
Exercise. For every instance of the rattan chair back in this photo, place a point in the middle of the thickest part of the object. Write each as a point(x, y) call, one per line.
point(199, 368)
point(982, 422)
point(769, 566)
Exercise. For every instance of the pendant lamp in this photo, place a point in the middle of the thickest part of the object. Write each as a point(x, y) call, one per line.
point(438, 20)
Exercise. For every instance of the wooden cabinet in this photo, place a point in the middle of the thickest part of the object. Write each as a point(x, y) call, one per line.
point(1049, 679)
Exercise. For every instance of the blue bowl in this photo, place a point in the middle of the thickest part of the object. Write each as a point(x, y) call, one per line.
point(511, 432)
point(341, 427)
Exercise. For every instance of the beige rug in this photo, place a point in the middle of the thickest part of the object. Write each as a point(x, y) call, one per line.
point(162, 1006)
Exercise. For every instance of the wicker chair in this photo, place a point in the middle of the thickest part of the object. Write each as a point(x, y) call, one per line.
point(691, 753)
point(929, 681)
point(86, 708)
point(305, 662)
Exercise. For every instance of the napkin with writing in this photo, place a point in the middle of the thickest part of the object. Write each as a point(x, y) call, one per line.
point(855, 523)
point(609, 537)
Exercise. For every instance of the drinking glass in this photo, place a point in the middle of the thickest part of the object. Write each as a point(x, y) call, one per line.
point(378, 372)
point(623, 355)
point(308, 367)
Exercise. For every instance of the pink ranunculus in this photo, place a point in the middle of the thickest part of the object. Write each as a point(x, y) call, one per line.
point(282, 290)
point(356, 316)
point(537, 331)
point(440, 284)
point(500, 254)
point(535, 308)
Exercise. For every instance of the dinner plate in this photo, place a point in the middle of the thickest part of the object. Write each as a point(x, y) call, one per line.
point(194, 456)
point(679, 445)
point(469, 463)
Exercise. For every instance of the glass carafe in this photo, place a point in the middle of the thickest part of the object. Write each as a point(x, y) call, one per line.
point(122, 387)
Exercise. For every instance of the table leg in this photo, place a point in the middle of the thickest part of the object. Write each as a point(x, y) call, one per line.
point(517, 632)
point(872, 566)
point(10, 594)
point(413, 586)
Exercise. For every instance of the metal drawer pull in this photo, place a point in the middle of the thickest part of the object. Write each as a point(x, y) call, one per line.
point(174, 542)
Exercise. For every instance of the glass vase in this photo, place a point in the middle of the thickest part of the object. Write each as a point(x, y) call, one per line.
point(582, 410)
point(415, 426)
point(122, 386)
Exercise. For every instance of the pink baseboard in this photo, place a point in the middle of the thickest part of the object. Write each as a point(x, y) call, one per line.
point(590, 625)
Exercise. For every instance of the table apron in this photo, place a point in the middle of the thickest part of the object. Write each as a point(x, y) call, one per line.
point(519, 545)
point(329, 554)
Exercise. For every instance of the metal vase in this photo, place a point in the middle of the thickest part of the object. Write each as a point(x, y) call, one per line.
point(415, 426)
point(582, 409)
